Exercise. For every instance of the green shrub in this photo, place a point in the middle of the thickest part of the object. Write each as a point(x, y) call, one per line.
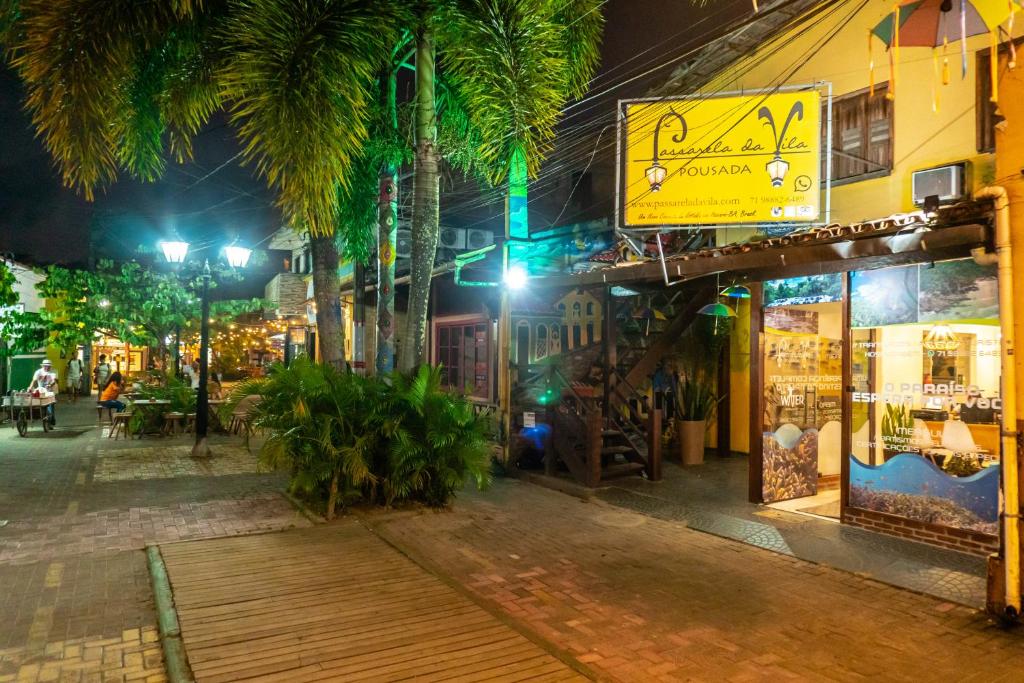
point(435, 441)
point(349, 438)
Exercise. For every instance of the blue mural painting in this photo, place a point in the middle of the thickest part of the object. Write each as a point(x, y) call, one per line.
point(913, 487)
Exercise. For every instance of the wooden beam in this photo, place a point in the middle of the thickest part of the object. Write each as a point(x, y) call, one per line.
point(755, 477)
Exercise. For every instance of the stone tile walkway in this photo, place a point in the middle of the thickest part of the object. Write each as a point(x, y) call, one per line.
point(76, 510)
point(713, 498)
point(644, 599)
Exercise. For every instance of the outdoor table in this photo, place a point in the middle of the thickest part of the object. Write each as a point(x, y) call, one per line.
point(151, 411)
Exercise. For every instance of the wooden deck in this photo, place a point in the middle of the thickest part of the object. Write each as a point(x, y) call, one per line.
point(335, 603)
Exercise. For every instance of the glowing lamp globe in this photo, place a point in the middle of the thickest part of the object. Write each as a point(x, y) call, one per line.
point(237, 257)
point(174, 252)
point(515, 277)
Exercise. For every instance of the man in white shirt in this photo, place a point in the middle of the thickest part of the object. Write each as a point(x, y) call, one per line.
point(45, 378)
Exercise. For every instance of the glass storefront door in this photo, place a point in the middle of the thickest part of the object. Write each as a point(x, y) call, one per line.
point(802, 419)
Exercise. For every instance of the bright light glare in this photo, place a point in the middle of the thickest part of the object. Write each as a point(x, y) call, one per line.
point(174, 252)
point(515, 277)
point(237, 256)
point(104, 303)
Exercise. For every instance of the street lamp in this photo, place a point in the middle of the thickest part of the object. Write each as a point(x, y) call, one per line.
point(515, 278)
point(237, 257)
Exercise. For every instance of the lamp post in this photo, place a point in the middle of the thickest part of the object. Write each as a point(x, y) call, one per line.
point(237, 257)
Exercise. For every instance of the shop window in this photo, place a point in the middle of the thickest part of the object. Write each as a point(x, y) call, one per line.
point(861, 135)
point(462, 353)
point(926, 381)
point(542, 342)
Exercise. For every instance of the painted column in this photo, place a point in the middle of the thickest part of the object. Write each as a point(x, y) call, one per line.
point(517, 227)
point(387, 233)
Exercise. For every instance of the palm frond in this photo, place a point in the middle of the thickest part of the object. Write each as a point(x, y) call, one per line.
point(298, 80)
point(506, 57)
point(582, 26)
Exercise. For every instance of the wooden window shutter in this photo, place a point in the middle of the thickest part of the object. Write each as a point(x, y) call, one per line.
point(984, 109)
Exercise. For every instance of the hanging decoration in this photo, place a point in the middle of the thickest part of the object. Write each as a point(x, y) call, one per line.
point(927, 23)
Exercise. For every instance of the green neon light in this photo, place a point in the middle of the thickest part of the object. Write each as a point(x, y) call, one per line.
point(463, 260)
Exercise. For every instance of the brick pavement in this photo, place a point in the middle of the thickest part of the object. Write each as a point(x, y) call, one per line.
point(76, 510)
point(644, 599)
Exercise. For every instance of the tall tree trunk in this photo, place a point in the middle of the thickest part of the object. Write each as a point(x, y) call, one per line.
point(425, 204)
point(327, 294)
point(387, 235)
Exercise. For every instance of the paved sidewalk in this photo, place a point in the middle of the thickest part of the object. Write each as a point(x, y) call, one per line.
point(644, 599)
point(76, 510)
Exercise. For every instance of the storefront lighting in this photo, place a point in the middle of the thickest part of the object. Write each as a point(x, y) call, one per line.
point(777, 168)
point(736, 292)
point(174, 252)
point(941, 338)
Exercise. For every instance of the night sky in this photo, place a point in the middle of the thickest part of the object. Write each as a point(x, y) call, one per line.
point(214, 197)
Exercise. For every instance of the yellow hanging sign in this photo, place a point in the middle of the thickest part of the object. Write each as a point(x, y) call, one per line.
point(722, 160)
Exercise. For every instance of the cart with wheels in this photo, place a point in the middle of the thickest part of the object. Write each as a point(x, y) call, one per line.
point(26, 409)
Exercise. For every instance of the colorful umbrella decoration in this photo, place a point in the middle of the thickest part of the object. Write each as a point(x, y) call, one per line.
point(930, 23)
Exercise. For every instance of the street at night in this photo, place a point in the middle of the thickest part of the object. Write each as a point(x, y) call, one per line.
point(510, 340)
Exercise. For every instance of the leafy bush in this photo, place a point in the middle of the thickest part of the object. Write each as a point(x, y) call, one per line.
point(349, 438)
point(435, 441)
point(179, 393)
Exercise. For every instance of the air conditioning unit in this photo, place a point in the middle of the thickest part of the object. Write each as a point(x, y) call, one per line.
point(478, 239)
point(403, 244)
point(945, 182)
point(452, 238)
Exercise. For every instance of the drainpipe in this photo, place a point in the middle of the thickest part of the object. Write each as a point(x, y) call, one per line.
point(1011, 474)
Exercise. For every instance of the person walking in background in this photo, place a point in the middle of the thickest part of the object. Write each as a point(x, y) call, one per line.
point(74, 377)
point(111, 392)
point(101, 372)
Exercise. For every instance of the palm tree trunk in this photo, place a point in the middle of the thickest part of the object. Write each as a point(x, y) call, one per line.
point(327, 294)
point(425, 205)
point(332, 499)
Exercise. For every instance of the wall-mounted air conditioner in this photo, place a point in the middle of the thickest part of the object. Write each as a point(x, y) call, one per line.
point(948, 183)
point(452, 238)
point(478, 239)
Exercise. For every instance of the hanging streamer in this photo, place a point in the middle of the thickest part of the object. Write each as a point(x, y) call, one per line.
point(935, 80)
point(945, 61)
point(963, 39)
point(755, 4)
point(993, 63)
point(871, 68)
point(1012, 64)
point(894, 52)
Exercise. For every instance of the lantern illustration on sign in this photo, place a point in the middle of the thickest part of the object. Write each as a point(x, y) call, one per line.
point(778, 166)
point(657, 173)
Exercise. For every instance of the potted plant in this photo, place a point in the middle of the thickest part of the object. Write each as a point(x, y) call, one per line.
point(695, 405)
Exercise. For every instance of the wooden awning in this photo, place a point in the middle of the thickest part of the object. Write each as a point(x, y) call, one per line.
point(848, 250)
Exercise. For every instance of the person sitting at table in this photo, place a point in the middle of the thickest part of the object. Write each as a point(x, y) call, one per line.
point(113, 389)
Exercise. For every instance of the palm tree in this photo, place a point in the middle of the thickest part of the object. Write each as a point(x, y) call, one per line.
point(511, 65)
point(112, 86)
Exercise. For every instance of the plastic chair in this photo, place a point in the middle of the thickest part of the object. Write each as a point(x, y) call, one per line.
point(957, 437)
